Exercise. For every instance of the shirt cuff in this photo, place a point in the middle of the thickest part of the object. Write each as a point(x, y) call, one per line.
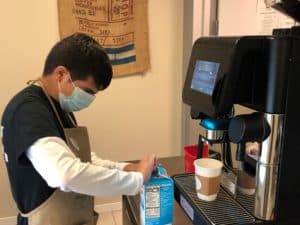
point(139, 182)
point(121, 165)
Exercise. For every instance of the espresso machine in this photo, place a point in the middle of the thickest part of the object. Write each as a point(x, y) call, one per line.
point(260, 74)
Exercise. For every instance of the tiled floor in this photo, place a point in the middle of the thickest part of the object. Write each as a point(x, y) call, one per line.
point(110, 218)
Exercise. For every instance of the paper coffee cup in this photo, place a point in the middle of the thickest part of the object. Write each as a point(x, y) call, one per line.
point(245, 183)
point(207, 178)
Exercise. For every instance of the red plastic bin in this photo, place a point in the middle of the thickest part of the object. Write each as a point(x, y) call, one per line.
point(190, 154)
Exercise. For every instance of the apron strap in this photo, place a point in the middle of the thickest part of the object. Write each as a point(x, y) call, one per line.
point(72, 120)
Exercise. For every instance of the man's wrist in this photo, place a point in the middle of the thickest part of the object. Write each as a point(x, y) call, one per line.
point(130, 167)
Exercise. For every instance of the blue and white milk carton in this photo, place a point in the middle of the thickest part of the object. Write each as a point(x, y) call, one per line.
point(157, 199)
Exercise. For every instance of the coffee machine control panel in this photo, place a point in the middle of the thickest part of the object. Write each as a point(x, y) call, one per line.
point(208, 65)
point(250, 71)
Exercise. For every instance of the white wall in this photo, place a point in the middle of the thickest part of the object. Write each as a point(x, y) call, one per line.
point(249, 17)
point(237, 17)
point(136, 115)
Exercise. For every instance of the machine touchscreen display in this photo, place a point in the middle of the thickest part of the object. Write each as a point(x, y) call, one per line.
point(204, 76)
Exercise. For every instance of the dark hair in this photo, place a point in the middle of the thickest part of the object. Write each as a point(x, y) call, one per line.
point(83, 56)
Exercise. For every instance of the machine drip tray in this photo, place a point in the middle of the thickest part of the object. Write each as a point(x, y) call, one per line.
point(225, 210)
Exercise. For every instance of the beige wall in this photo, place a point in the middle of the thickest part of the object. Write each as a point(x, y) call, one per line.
point(135, 116)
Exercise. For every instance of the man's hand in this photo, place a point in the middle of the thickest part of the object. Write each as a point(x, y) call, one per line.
point(145, 166)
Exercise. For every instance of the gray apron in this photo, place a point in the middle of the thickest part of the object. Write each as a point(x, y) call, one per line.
point(67, 208)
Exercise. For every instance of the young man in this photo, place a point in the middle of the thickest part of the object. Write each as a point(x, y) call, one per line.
point(51, 169)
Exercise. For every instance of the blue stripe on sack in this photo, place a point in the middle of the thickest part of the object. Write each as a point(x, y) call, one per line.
point(119, 50)
point(123, 61)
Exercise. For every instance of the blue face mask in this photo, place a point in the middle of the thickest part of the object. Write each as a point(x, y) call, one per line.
point(79, 99)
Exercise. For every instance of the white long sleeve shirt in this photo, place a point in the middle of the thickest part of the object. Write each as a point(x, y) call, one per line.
point(60, 168)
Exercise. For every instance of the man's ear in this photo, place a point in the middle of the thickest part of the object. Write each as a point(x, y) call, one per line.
point(61, 73)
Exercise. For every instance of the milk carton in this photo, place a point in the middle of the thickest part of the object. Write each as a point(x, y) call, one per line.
point(156, 199)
